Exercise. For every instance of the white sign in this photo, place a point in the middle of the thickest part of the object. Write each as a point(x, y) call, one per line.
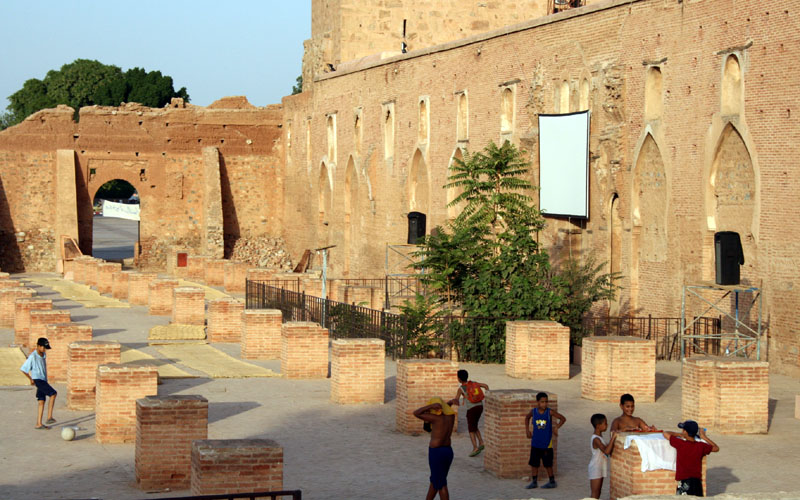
point(564, 164)
point(120, 210)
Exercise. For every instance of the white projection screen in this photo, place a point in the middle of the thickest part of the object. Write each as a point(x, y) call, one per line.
point(564, 164)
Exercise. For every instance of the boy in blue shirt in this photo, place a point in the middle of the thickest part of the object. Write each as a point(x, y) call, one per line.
point(542, 439)
point(35, 368)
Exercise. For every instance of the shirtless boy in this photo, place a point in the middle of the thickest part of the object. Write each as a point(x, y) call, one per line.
point(627, 422)
point(440, 455)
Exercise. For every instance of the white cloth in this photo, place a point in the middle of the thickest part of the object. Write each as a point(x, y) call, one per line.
point(655, 450)
point(598, 465)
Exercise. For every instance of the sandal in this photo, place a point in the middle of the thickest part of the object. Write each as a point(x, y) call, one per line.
point(475, 453)
point(50, 421)
point(42, 428)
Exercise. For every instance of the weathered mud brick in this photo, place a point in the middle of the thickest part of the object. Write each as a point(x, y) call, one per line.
point(612, 366)
point(225, 466)
point(304, 350)
point(188, 306)
point(358, 371)
point(118, 388)
point(22, 316)
point(507, 446)
point(726, 395)
point(418, 380)
point(261, 334)
point(165, 429)
point(60, 336)
point(83, 360)
point(160, 298)
point(225, 320)
point(537, 350)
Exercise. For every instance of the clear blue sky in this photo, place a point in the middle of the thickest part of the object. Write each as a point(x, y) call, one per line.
point(213, 48)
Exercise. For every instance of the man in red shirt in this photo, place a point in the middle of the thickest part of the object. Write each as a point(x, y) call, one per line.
point(689, 462)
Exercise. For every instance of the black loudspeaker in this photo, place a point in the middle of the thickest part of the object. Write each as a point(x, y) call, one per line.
point(729, 256)
point(416, 227)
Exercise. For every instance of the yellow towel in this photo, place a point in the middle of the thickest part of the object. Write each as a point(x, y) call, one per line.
point(445, 407)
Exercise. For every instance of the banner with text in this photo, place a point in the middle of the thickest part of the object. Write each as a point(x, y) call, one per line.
point(120, 210)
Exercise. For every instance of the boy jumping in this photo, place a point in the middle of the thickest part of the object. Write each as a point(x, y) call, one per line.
point(472, 392)
point(35, 368)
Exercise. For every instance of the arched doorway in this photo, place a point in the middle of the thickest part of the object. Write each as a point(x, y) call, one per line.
point(115, 221)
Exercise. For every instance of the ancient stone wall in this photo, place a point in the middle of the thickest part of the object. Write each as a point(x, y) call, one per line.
point(682, 143)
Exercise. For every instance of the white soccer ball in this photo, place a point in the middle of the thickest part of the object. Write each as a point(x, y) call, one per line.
point(68, 433)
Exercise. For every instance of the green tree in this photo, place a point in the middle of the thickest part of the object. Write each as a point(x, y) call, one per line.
point(86, 82)
point(298, 86)
point(488, 262)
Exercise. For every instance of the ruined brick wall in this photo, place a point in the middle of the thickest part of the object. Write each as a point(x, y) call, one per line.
point(159, 151)
point(680, 108)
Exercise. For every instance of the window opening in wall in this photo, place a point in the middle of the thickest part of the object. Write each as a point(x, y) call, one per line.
point(732, 86)
point(388, 130)
point(507, 113)
point(331, 129)
point(357, 135)
point(563, 97)
point(422, 135)
point(115, 224)
point(584, 104)
point(654, 94)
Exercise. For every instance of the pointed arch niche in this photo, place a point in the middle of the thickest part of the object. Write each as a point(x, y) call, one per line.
point(653, 94)
point(649, 214)
point(419, 185)
point(453, 192)
point(731, 199)
point(615, 248)
point(732, 88)
point(324, 190)
point(350, 199)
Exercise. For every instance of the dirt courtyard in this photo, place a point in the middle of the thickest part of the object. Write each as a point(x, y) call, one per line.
point(353, 452)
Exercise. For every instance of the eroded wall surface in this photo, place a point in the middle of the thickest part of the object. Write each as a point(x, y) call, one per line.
point(686, 99)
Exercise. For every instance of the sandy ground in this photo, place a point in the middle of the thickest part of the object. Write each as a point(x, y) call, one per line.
point(353, 452)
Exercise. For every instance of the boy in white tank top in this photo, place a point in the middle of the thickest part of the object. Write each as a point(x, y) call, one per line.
point(598, 465)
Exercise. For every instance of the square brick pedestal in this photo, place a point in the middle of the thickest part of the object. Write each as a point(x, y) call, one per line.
point(139, 287)
point(40, 318)
point(726, 395)
point(105, 275)
point(196, 267)
point(304, 350)
point(118, 388)
point(188, 306)
point(507, 447)
point(222, 466)
point(225, 320)
point(159, 297)
point(537, 350)
point(612, 366)
point(80, 268)
point(214, 274)
point(358, 371)
point(61, 335)
point(83, 360)
point(261, 335)
point(90, 267)
point(8, 301)
point(235, 276)
point(119, 284)
point(628, 479)
point(418, 380)
point(165, 429)
point(22, 317)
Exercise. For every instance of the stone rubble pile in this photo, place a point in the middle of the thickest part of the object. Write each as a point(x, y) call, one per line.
point(262, 251)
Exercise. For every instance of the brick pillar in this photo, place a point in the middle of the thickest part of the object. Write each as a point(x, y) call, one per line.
point(188, 306)
point(537, 350)
point(507, 447)
point(105, 273)
point(418, 380)
point(79, 269)
point(165, 429)
point(225, 320)
point(119, 284)
point(118, 388)
point(22, 317)
point(8, 301)
point(235, 276)
point(92, 271)
point(139, 287)
point(196, 267)
point(83, 360)
point(627, 478)
point(214, 272)
point(40, 318)
point(61, 335)
point(612, 366)
point(728, 395)
point(304, 350)
point(358, 371)
point(261, 335)
point(224, 466)
point(4, 276)
point(4, 284)
point(159, 298)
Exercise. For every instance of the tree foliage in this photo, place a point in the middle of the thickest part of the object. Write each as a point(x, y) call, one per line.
point(488, 262)
point(116, 189)
point(85, 82)
point(298, 86)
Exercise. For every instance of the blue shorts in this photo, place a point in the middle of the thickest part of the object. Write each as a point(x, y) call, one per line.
point(43, 389)
point(439, 460)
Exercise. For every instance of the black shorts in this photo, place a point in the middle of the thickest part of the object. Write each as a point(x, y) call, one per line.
point(43, 389)
point(473, 416)
point(691, 486)
point(545, 455)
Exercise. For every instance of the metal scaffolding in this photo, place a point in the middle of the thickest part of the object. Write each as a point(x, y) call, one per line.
point(743, 341)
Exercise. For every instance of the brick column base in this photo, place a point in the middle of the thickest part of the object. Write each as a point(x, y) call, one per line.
point(358, 371)
point(188, 306)
point(118, 388)
point(119, 284)
point(61, 335)
point(105, 275)
point(159, 299)
point(236, 466)
point(40, 318)
point(82, 363)
point(304, 350)
point(225, 320)
point(261, 334)
point(537, 350)
point(22, 317)
point(8, 301)
point(418, 380)
point(611, 366)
